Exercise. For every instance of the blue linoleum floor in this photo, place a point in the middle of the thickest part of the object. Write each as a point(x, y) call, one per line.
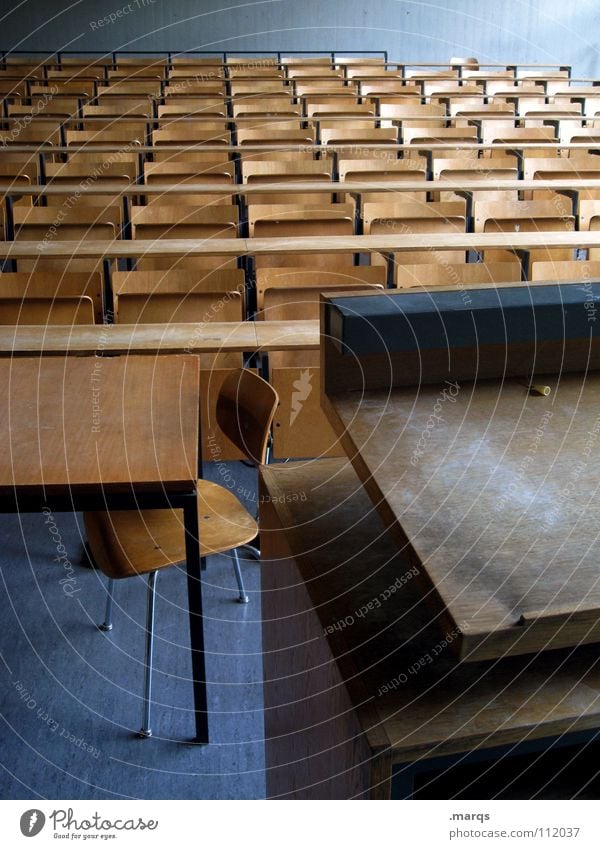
point(70, 695)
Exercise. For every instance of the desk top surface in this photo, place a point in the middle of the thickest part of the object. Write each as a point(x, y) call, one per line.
point(388, 243)
point(408, 688)
point(491, 490)
point(192, 338)
point(75, 423)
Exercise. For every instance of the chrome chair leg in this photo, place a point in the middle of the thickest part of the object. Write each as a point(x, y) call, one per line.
point(242, 598)
point(145, 731)
point(107, 624)
point(253, 550)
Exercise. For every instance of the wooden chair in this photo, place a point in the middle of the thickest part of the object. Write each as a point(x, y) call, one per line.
point(179, 282)
point(588, 96)
point(183, 135)
point(290, 62)
point(53, 287)
point(40, 133)
point(266, 106)
point(181, 89)
point(412, 217)
point(300, 427)
point(256, 74)
point(153, 72)
point(589, 219)
point(523, 96)
point(82, 175)
point(148, 87)
point(293, 138)
point(565, 270)
point(383, 171)
point(127, 140)
point(341, 107)
point(124, 544)
point(54, 107)
point(187, 107)
point(527, 217)
point(46, 311)
point(583, 167)
point(456, 274)
point(467, 168)
point(66, 101)
point(168, 307)
point(257, 88)
point(15, 174)
point(354, 141)
point(408, 96)
point(266, 220)
point(12, 88)
point(408, 115)
point(277, 171)
point(491, 80)
point(77, 223)
point(322, 279)
point(415, 136)
point(468, 95)
point(324, 88)
point(169, 297)
point(156, 222)
point(521, 135)
point(117, 107)
point(582, 135)
point(552, 79)
point(295, 72)
point(181, 173)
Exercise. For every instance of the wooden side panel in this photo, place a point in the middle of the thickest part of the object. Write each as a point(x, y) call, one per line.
point(301, 428)
point(315, 748)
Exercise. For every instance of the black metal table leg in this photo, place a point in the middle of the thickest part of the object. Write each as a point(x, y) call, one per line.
point(192, 556)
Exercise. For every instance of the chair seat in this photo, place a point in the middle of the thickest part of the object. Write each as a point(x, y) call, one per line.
point(135, 542)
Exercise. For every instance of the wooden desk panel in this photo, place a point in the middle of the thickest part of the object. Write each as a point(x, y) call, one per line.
point(388, 243)
point(349, 641)
point(86, 422)
point(212, 338)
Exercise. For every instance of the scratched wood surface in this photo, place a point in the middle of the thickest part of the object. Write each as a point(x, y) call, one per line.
point(81, 422)
point(491, 489)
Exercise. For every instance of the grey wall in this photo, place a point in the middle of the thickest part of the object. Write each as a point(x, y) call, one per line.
point(516, 30)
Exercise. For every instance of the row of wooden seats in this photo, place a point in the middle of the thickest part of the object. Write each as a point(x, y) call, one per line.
point(15, 173)
point(288, 286)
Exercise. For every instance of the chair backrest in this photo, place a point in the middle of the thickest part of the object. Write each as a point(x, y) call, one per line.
point(456, 274)
point(264, 106)
point(53, 286)
point(46, 311)
point(565, 270)
point(245, 409)
point(169, 308)
point(467, 168)
point(178, 281)
point(302, 302)
point(511, 216)
point(198, 106)
point(167, 221)
point(347, 277)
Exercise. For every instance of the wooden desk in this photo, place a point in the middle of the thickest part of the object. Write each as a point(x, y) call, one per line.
point(486, 487)
point(362, 691)
point(171, 187)
point(211, 338)
point(323, 148)
point(88, 433)
point(388, 243)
